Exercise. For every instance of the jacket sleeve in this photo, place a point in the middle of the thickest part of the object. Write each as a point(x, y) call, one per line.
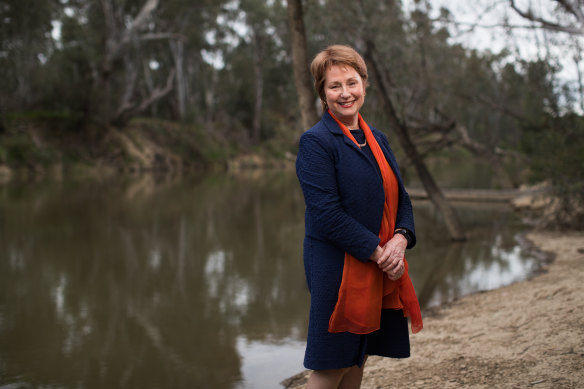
point(405, 214)
point(325, 217)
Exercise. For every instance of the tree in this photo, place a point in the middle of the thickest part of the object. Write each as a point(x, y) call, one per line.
point(118, 42)
point(400, 127)
point(196, 80)
point(302, 77)
point(257, 17)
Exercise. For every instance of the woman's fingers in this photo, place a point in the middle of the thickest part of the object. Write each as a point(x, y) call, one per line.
point(392, 258)
point(396, 274)
point(383, 256)
point(395, 277)
point(392, 266)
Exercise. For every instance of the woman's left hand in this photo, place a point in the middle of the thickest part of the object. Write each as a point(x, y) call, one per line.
point(392, 259)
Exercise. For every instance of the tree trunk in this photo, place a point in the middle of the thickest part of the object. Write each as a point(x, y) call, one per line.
point(302, 77)
point(177, 49)
point(209, 96)
point(258, 40)
point(436, 196)
point(577, 59)
point(149, 85)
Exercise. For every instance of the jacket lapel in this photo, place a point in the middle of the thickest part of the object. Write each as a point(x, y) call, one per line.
point(333, 127)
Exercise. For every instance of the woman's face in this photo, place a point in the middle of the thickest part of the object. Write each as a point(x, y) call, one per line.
point(345, 93)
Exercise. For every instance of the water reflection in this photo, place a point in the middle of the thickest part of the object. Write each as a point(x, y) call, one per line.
point(192, 283)
point(443, 270)
point(139, 285)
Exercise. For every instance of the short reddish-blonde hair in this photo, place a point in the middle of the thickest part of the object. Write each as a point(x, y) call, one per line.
point(331, 56)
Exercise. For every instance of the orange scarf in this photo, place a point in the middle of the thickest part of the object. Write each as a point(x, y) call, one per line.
point(365, 289)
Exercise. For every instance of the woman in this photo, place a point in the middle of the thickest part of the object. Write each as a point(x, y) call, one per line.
point(359, 222)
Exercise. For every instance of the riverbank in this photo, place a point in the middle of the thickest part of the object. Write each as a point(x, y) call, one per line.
point(41, 144)
point(528, 334)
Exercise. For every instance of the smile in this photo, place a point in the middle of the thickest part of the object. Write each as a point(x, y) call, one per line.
point(347, 104)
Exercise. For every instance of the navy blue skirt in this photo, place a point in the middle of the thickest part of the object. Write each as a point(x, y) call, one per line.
point(335, 351)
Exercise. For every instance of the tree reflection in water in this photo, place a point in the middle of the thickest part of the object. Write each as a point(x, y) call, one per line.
point(174, 283)
point(443, 271)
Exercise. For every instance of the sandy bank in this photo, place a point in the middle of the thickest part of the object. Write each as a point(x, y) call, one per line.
point(529, 334)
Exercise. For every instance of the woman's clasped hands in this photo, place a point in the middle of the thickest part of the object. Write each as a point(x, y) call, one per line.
point(390, 257)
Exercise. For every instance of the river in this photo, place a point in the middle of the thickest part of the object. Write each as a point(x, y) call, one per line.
point(155, 282)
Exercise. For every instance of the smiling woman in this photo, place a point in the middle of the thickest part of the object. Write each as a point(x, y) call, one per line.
point(358, 224)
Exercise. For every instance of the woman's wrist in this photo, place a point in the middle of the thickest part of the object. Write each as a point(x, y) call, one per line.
point(405, 233)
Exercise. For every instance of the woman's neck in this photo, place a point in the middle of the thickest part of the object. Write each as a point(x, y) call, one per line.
point(352, 124)
point(349, 121)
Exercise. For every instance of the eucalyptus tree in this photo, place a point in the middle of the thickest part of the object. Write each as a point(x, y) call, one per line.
point(193, 21)
point(123, 58)
point(302, 78)
point(126, 30)
point(258, 21)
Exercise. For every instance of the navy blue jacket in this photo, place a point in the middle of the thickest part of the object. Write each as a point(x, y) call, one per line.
point(344, 196)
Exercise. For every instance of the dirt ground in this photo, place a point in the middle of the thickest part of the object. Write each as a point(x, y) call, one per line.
point(525, 335)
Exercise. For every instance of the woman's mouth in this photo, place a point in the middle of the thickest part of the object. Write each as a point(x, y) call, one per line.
point(347, 104)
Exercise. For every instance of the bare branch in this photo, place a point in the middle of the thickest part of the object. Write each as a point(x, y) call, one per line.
point(115, 45)
point(439, 145)
point(158, 93)
point(478, 148)
point(131, 77)
point(128, 109)
point(423, 126)
point(162, 35)
point(143, 15)
point(470, 143)
point(576, 11)
point(472, 26)
point(547, 24)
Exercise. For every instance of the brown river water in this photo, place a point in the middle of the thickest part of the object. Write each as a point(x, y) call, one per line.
point(191, 283)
